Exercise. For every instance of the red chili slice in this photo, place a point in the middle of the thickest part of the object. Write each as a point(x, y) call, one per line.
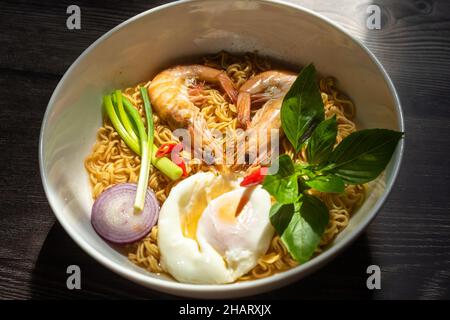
point(255, 177)
point(166, 149)
point(180, 162)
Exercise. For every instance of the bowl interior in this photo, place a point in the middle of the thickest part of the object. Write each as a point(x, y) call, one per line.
point(142, 46)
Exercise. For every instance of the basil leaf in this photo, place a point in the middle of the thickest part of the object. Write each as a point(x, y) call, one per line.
point(321, 142)
point(302, 107)
point(280, 216)
point(327, 183)
point(281, 181)
point(302, 186)
point(363, 155)
point(303, 234)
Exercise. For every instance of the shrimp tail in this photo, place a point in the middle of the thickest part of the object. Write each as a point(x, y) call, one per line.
point(227, 84)
point(243, 109)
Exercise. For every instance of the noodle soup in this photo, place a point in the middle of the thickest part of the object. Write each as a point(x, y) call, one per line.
point(211, 200)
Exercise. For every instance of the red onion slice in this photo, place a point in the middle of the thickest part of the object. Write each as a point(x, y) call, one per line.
point(116, 220)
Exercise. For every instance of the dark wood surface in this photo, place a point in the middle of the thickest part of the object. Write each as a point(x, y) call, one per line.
point(409, 240)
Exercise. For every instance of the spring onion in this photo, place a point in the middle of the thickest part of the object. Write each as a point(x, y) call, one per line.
point(165, 165)
point(146, 148)
point(125, 120)
point(145, 160)
point(149, 118)
point(117, 98)
point(117, 124)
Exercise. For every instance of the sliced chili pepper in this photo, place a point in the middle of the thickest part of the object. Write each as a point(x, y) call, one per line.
point(182, 165)
point(166, 149)
point(180, 162)
point(255, 177)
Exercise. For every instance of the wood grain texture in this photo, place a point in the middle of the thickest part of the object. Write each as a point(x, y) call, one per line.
point(409, 240)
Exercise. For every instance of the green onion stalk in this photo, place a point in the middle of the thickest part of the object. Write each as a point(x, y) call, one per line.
point(142, 142)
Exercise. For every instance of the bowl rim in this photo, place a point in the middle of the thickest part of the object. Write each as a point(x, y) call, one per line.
point(233, 289)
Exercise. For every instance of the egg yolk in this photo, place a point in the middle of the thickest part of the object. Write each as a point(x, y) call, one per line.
point(227, 210)
point(189, 220)
point(199, 202)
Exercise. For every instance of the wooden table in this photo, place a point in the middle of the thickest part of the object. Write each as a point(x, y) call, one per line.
point(409, 240)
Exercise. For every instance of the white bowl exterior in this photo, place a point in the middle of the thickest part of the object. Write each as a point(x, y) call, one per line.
point(137, 49)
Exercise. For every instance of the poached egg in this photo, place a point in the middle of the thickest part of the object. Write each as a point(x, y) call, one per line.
point(204, 238)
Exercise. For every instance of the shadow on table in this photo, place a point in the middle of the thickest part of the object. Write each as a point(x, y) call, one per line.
point(97, 282)
point(345, 277)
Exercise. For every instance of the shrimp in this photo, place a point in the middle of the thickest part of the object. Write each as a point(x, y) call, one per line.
point(169, 95)
point(267, 85)
point(169, 92)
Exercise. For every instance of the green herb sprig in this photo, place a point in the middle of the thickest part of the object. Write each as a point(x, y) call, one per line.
point(298, 217)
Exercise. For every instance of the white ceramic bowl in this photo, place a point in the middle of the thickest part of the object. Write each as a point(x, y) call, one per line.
point(141, 46)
